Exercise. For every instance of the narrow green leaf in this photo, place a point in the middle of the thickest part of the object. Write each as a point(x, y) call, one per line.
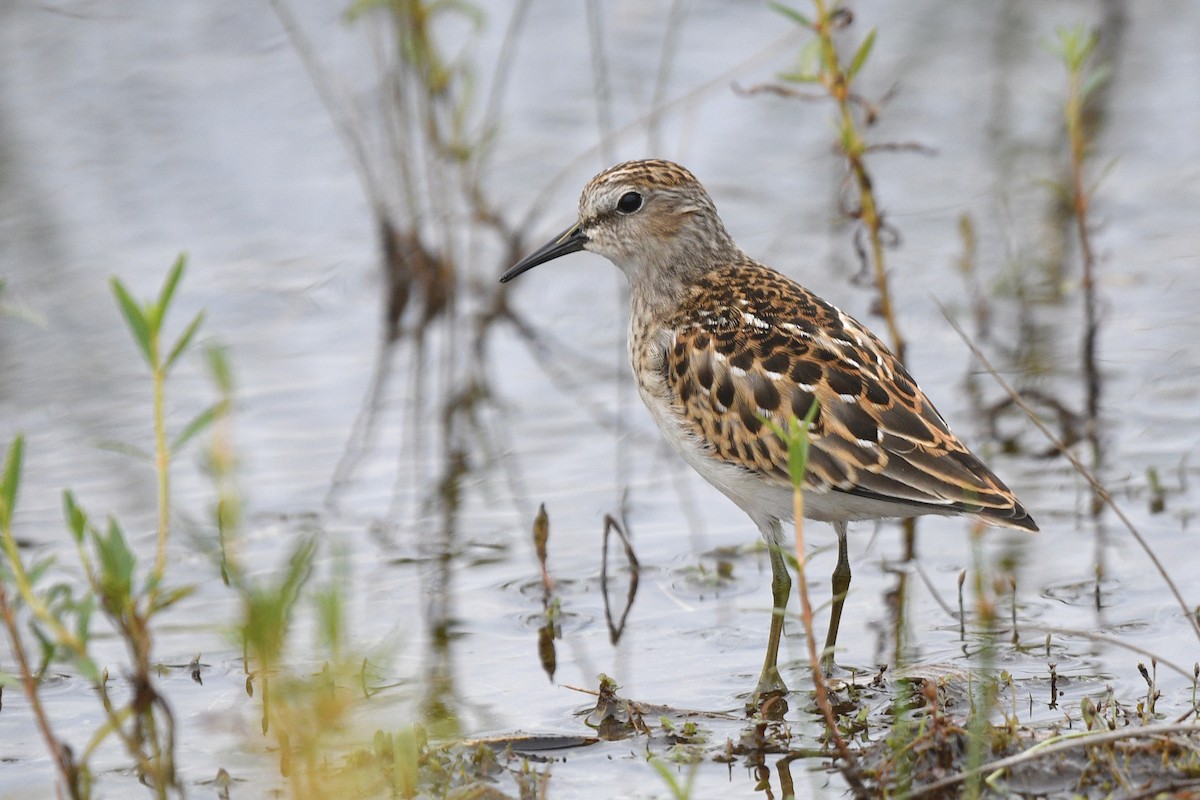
point(46, 645)
point(860, 55)
point(135, 318)
point(35, 573)
point(88, 669)
point(1074, 46)
point(116, 562)
point(798, 444)
point(268, 609)
point(667, 774)
point(795, 438)
point(11, 481)
point(199, 423)
point(1087, 43)
point(797, 77)
point(774, 427)
point(76, 516)
point(792, 14)
point(172, 596)
point(811, 415)
point(150, 585)
point(168, 290)
point(183, 341)
point(217, 357)
point(1098, 78)
point(125, 449)
point(83, 617)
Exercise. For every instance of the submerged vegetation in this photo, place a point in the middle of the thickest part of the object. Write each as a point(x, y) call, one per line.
point(330, 714)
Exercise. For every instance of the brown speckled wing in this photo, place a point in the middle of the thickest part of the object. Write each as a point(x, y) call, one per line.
point(749, 343)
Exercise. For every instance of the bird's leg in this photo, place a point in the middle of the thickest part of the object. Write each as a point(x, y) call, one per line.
point(769, 682)
point(841, 585)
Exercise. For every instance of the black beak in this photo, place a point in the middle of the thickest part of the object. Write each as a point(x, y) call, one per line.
point(571, 240)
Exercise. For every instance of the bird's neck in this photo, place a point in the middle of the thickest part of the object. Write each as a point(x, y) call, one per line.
point(659, 282)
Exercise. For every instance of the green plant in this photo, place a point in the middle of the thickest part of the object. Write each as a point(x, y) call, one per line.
point(50, 609)
point(986, 694)
point(822, 65)
point(145, 322)
point(220, 458)
point(308, 715)
point(129, 594)
point(795, 437)
point(666, 771)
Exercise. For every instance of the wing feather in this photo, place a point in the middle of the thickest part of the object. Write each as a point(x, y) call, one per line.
point(749, 345)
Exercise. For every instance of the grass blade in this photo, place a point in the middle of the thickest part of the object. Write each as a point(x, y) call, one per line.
point(135, 318)
point(860, 55)
point(116, 562)
point(199, 423)
point(183, 341)
point(792, 14)
point(168, 289)
point(11, 480)
point(76, 517)
point(125, 449)
point(217, 357)
point(797, 443)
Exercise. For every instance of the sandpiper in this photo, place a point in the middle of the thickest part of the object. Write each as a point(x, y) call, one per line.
point(720, 344)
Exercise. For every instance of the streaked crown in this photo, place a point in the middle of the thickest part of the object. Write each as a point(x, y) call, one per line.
point(651, 217)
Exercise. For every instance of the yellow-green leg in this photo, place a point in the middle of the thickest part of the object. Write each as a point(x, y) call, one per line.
point(770, 682)
point(841, 585)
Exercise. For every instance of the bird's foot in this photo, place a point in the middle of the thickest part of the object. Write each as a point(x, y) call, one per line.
point(770, 696)
point(836, 675)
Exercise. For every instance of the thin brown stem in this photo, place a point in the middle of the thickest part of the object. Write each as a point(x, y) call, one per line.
point(29, 682)
point(836, 79)
point(814, 660)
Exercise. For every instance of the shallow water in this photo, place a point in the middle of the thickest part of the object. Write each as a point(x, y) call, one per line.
point(128, 136)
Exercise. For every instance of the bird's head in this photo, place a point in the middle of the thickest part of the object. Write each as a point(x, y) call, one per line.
point(651, 218)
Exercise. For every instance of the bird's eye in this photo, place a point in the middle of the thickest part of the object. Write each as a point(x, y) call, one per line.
point(629, 203)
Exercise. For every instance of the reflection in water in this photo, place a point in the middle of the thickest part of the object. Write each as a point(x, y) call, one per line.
point(420, 163)
point(439, 706)
point(549, 630)
point(617, 627)
point(1040, 354)
point(547, 653)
